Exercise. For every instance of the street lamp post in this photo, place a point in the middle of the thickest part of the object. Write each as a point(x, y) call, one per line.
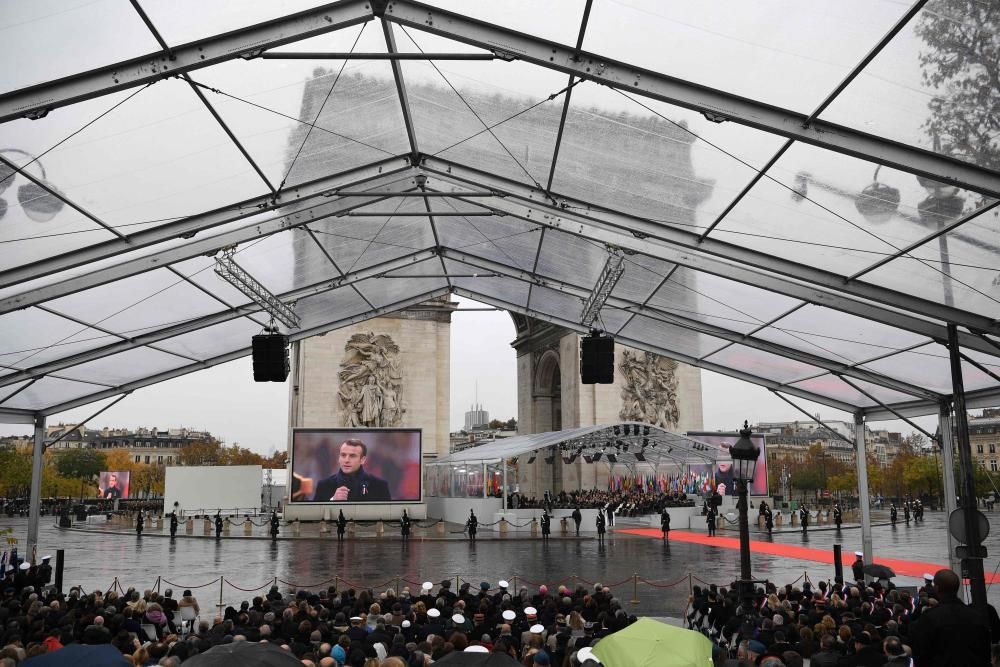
point(744, 455)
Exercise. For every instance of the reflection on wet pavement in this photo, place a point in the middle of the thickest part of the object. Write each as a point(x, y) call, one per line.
point(94, 560)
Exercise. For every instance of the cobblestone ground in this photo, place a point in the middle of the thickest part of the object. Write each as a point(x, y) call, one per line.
point(93, 560)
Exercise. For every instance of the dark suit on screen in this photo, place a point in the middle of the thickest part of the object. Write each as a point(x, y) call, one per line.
point(364, 487)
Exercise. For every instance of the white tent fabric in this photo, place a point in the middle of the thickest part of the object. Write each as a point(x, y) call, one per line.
point(808, 217)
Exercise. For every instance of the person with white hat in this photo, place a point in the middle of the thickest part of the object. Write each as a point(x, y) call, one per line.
point(858, 567)
point(45, 571)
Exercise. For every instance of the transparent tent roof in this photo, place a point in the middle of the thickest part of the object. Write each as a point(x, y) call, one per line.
point(808, 216)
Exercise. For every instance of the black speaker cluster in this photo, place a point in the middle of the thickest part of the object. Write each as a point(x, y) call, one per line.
point(270, 358)
point(597, 359)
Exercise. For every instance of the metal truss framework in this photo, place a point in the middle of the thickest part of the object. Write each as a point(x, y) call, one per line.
point(299, 206)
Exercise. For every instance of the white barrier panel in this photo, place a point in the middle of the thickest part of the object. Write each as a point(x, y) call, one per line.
point(209, 488)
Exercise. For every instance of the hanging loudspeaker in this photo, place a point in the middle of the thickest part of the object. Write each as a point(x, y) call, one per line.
point(270, 358)
point(597, 359)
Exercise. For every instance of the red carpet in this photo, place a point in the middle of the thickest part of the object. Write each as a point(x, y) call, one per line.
point(908, 568)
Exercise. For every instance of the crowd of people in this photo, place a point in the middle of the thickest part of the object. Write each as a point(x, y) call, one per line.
point(846, 625)
point(324, 628)
point(633, 502)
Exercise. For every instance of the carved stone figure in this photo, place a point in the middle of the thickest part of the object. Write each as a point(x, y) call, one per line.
point(649, 393)
point(370, 382)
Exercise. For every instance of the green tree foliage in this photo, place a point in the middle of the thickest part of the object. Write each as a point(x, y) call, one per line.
point(961, 62)
point(81, 464)
point(15, 473)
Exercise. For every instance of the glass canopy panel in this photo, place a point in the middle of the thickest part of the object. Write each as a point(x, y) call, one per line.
point(507, 240)
point(555, 304)
point(763, 364)
point(50, 391)
point(844, 222)
point(572, 259)
point(158, 157)
point(833, 387)
point(719, 301)
point(140, 303)
point(642, 276)
point(118, 369)
point(270, 105)
point(611, 319)
point(32, 337)
point(404, 283)
point(934, 86)
point(490, 115)
point(182, 21)
point(664, 336)
point(929, 367)
point(654, 160)
point(329, 307)
point(509, 290)
point(215, 340)
point(365, 240)
point(837, 335)
point(559, 22)
point(50, 39)
point(786, 53)
point(285, 261)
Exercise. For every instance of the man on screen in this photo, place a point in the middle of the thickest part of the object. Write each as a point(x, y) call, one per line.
point(351, 483)
point(111, 491)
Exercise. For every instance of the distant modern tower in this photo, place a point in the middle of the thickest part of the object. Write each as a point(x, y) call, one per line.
point(476, 416)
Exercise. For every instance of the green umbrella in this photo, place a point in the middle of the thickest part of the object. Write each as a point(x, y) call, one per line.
point(649, 643)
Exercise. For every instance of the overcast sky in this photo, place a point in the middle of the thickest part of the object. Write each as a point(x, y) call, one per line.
point(226, 401)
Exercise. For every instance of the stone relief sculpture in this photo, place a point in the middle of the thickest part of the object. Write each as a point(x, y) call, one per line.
point(649, 393)
point(371, 382)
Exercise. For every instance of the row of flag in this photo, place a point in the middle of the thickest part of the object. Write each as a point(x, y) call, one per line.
point(689, 482)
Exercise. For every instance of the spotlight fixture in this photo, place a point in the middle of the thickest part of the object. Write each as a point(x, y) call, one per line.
point(645, 430)
point(513, 461)
point(588, 458)
point(531, 459)
point(618, 429)
point(639, 456)
point(597, 456)
point(645, 442)
point(612, 458)
point(635, 429)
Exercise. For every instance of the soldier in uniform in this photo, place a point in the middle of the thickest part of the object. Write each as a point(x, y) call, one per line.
point(546, 525)
point(804, 518)
point(906, 511)
point(710, 520)
point(892, 514)
point(341, 526)
point(404, 526)
point(600, 526)
point(577, 518)
point(837, 515)
point(218, 525)
point(44, 572)
point(472, 525)
point(139, 524)
point(858, 566)
point(173, 524)
point(665, 523)
point(769, 520)
point(275, 526)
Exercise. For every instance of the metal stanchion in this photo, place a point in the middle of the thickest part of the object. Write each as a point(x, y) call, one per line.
point(635, 589)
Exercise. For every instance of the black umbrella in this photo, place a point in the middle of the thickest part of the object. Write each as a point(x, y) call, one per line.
point(879, 571)
point(467, 659)
point(244, 654)
point(80, 655)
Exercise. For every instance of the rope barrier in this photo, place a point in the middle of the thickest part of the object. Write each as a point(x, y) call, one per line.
point(249, 590)
point(211, 583)
point(670, 585)
point(316, 585)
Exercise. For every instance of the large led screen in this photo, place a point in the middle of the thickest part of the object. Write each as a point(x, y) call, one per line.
point(723, 468)
point(355, 466)
point(113, 484)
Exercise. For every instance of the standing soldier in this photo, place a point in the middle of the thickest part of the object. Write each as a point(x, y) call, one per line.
point(710, 520)
point(577, 518)
point(600, 526)
point(906, 511)
point(404, 526)
point(769, 520)
point(804, 518)
point(858, 566)
point(665, 523)
point(218, 525)
point(173, 524)
point(892, 514)
point(44, 572)
point(837, 515)
point(138, 524)
point(341, 526)
point(472, 525)
point(275, 526)
point(546, 525)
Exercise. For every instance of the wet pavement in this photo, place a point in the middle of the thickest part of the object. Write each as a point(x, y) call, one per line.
point(665, 570)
